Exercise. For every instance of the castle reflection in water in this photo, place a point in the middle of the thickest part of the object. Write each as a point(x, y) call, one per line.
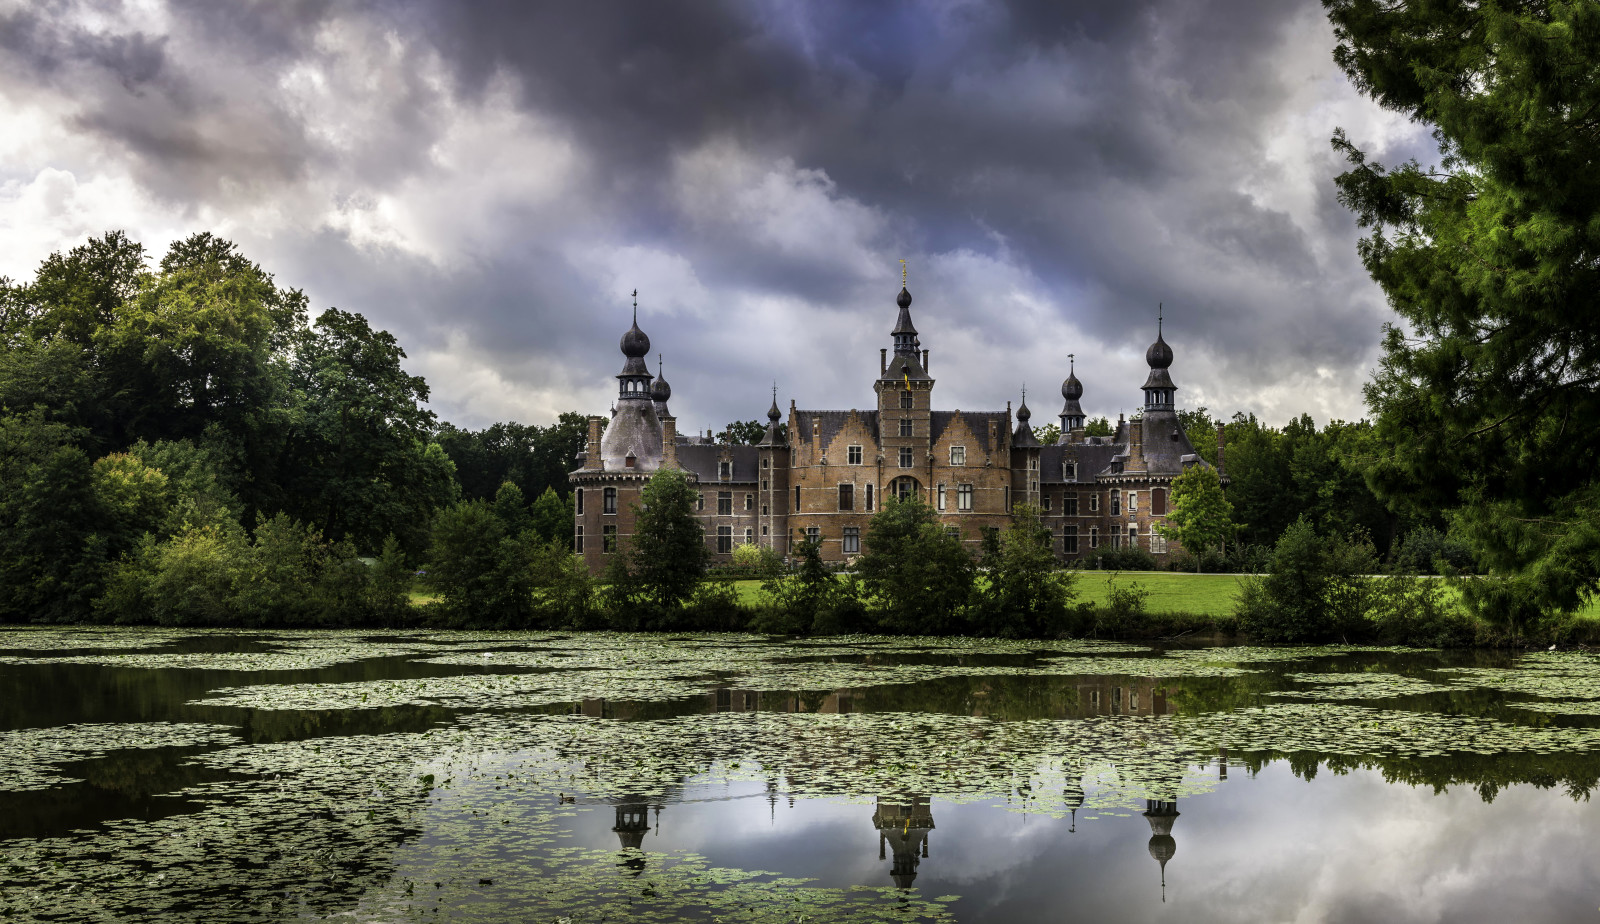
point(904, 822)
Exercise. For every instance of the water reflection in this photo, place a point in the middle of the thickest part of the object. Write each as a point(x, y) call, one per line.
point(903, 824)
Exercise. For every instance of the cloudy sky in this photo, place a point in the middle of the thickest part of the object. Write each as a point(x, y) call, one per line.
point(490, 180)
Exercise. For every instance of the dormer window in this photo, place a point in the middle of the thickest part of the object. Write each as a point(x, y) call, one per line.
point(630, 461)
point(725, 470)
point(1069, 471)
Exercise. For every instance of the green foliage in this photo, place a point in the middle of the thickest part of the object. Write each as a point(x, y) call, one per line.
point(1120, 558)
point(52, 540)
point(1026, 596)
point(663, 564)
point(358, 459)
point(480, 560)
point(1486, 395)
point(531, 457)
point(551, 517)
point(744, 433)
point(1316, 588)
point(1098, 426)
point(1124, 608)
point(1426, 550)
point(811, 599)
point(919, 577)
point(1048, 434)
point(1199, 516)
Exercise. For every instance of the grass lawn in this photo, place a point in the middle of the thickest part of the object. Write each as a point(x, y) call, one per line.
point(1170, 592)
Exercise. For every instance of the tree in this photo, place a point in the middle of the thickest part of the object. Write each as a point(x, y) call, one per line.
point(918, 574)
point(1199, 517)
point(359, 464)
point(1048, 435)
point(666, 558)
point(481, 560)
point(1099, 426)
point(1026, 595)
point(52, 545)
point(1488, 392)
point(1316, 588)
point(551, 518)
point(743, 433)
point(531, 457)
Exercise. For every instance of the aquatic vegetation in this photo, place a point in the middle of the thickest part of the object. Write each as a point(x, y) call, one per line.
point(34, 756)
point(99, 637)
point(1361, 685)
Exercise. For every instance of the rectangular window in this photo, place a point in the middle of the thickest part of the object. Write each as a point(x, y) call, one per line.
point(958, 455)
point(938, 496)
point(813, 533)
point(700, 502)
point(1158, 502)
point(1094, 537)
point(1069, 504)
point(1033, 488)
point(869, 498)
point(1069, 471)
point(905, 427)
point(579, 502)
point(847, 497)
point(1094, 502)
point(853, 455)
point(749, 502)
point(905, 399)
point(1133, 537)
point(609, 501)
point(1116, 503)
point(724, 503)
point(725, 470)
point(1133, 501)
point(763, 530)
point(1033, 463)
point(763, 484)
point(749, 535)
point(724, 538)
point(764, 509)
point(905, 457)
point(766, 462)
point(954, 532)
point(1007, 498)
point(1045, 503)
point(1069, 540)
point(577, 540)
point(852, 540)
point(1158, 543)
point(608, 539)
point(964, 497)
point(796, 498)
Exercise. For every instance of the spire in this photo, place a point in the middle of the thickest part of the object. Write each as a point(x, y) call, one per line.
point(1023, 438)
point(1071, 391)
point(660, 391)
point(775, 435)
point(1159, 392)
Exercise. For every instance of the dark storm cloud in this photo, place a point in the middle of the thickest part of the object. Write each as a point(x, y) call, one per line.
point(1049, 167)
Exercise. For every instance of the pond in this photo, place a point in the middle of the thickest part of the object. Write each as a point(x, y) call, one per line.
point(391, 776)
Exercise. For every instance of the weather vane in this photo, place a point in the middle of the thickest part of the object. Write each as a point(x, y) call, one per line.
point(902, 274)
point(1160, 310)
point(636, 306)
point(1072, 362)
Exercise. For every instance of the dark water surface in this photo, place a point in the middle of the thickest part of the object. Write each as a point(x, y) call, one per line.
point(210, 776)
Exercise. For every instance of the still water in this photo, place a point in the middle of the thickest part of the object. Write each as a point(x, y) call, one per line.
point(215, 776)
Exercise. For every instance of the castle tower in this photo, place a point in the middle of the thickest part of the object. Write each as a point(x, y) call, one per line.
point(660, 391)
point(1025, 458)
point(1071, 411)
point(632, 440)
point(903, 826)
point(773, 486)
point(1159, 392)
point(905, 402)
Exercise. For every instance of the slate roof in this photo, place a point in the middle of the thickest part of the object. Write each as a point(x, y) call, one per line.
point(1093, 459)
point(702, 459)
point(832, 422)
point(977, 422)
point(902, 367)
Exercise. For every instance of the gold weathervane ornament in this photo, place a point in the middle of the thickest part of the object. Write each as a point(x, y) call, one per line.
point(902, 274)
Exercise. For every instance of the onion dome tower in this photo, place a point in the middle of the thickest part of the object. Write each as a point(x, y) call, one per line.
point(1161, 815)
point(1158, 388)
point(1071, 390)
point(775, 435)
point(660, 391)
point(905, 333)
point(1074, 799)
point(633, 439)
point(904, 825)
point(1023, 438)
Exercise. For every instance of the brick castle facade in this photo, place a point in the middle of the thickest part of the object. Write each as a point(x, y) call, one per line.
point(828, 471)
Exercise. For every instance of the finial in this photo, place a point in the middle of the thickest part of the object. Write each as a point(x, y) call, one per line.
point(661, 369)
point(1024, 392)
point(635, 306)
point(1159, 311)
point(902, 274)
point(1072, 362)
point(774, 391)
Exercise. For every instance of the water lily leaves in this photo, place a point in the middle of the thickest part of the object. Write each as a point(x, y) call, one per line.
point(33, 755)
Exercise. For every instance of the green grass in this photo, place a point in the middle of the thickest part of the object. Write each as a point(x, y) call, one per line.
point(1170, 592)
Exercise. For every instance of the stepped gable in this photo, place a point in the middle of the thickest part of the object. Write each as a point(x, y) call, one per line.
point(832, 422)
point(977, 422)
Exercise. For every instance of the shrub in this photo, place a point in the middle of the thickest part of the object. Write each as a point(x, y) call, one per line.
point(1425, 550)
point(1124, 609)
point(1106, 558)
point(810, 599)
point(1025, 595)
point(1420, 611)
point(1316, 588)
point(919, 576)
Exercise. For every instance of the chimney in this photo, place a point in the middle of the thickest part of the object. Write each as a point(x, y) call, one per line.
point(591, 457)
point(1136, 445)
point(1221, 439)
point(669, 443)
point(993, 443)
point(924, 360)
point(883, 361)
point(816, 439)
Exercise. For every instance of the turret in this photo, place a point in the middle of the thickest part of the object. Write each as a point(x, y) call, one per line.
point(1071, 411)
point(633, 438)
point(1023, 438)
point(1161, 815)
point(1159, 392)
point(660, 391)
point(904, 826)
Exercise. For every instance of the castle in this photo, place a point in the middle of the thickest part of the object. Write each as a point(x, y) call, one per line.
point(824, 474)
